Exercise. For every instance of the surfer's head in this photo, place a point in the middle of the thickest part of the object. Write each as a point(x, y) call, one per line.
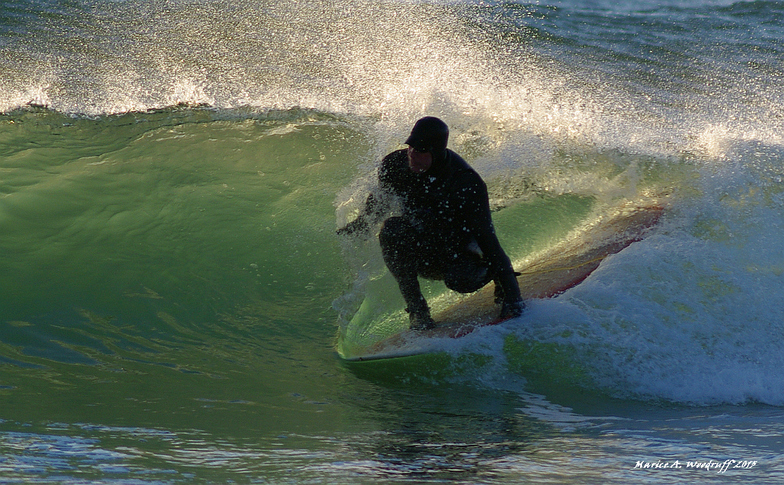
point(428, 137)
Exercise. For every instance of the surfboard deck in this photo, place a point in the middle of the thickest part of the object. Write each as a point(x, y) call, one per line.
point(543, 275)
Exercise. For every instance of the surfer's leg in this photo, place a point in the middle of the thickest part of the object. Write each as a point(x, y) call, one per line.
point(464, 270)
point(467, 273)
point(399, 246)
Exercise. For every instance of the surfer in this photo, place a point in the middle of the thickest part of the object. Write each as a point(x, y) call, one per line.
point(445, 231)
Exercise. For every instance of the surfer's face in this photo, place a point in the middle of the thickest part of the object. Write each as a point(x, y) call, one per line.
point(419, 162)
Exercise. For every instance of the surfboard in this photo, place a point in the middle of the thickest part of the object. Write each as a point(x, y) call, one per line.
point(542, 275)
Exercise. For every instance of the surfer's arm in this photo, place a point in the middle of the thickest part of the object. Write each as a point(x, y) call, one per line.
point(505, 277)
point(391, 183)
point(479, 222)
point(374, 211)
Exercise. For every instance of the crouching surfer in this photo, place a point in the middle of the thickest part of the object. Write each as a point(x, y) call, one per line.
point(445, 231)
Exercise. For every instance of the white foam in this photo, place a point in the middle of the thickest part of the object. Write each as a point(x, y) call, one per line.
point(692, 314)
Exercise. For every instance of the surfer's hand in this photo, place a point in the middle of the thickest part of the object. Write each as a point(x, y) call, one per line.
point(512, 309)
point(357, 227)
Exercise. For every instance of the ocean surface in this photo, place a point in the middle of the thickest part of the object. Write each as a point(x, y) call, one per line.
point(172, 173)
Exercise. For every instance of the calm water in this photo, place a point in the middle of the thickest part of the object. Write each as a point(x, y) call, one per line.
point(171, 286)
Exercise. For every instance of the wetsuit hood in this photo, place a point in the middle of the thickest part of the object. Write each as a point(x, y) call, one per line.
point(430, 134)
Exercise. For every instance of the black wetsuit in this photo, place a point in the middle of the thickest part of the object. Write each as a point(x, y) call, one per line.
point(445, 232)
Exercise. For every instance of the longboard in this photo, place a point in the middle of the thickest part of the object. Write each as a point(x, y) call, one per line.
point(543, 275)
